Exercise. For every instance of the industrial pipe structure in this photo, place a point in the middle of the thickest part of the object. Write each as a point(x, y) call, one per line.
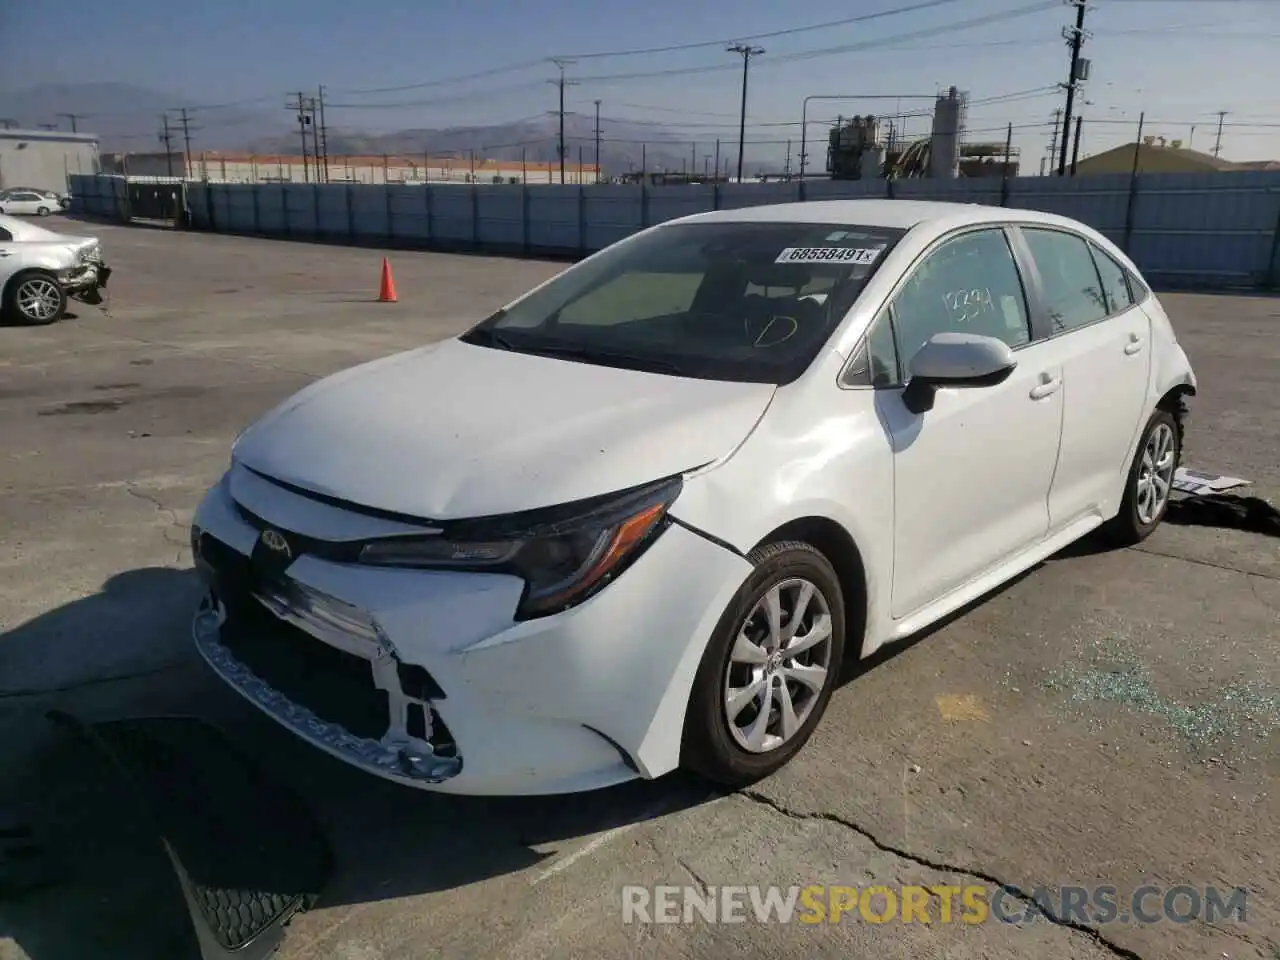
point(804, 111)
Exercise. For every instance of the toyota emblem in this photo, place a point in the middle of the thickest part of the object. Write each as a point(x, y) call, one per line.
point(274, 540)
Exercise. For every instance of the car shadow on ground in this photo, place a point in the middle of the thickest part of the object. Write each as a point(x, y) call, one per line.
point(117, 894)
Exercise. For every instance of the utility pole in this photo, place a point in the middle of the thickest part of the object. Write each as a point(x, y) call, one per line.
point(186, 141)
point(304, 120)
point(1217, 143)
point(786, 169)
point(1053, 138)
point(1075, 37)
point(693, 159)
point(324, 139)
point(597, 141)
point(561, 82)
point(1075, 147)
point(747, 52)
point(73, 117)
point(165, 138)
point(717, 158)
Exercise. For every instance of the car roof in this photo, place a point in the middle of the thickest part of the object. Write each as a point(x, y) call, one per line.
point(894, 214)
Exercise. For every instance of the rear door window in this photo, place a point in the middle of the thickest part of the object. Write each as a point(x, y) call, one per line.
point(1115, 286)
point(1072, 288)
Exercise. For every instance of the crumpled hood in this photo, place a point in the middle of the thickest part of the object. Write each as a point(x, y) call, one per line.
point(454, 430)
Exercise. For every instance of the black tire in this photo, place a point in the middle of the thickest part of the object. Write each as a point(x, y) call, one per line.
point(42, 211)
point(14, 310)
point(709, 747)
point(1128, 527)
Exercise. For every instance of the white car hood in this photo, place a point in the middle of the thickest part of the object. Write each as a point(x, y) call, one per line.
point(30, 233)
point(454, 430)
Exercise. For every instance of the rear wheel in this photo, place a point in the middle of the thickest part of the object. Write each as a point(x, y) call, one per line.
point(768, 673)
point(35, 298)
point(1150, 481)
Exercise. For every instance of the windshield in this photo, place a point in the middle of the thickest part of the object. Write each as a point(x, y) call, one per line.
point(725, 301)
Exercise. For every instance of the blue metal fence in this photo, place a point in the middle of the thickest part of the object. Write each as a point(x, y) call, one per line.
point(1200, 229)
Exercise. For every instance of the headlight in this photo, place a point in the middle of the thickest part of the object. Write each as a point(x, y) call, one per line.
point(564, 554)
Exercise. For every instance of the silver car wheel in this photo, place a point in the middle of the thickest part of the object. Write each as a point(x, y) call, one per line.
point(1155, 474)
point(38, 299)
point(778, 665)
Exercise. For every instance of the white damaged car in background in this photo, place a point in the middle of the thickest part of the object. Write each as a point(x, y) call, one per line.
point(40, 269)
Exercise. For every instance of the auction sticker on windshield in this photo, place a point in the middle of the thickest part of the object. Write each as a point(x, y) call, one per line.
point(861, 256)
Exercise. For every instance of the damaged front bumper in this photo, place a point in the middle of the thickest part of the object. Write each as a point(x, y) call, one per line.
point(85, 279)
point(414, 748)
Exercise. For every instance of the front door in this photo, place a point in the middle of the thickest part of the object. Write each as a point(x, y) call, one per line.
point(972, 475)
point(1106, 346)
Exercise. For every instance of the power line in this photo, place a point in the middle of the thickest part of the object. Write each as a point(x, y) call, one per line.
point(642, 51)
point(707, 44)
point(843, 48)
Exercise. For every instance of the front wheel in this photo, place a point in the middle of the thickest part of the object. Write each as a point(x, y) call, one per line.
point(36, 298)
point(769, 670)
point(1150, 481)
point(43, 211)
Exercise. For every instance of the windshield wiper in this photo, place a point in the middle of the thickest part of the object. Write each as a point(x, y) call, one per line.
point(608, 358)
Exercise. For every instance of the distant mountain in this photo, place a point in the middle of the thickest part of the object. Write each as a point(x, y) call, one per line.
point(127, 118)
point(624, 146)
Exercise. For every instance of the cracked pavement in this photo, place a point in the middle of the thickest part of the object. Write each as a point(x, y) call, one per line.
point(1108, 719)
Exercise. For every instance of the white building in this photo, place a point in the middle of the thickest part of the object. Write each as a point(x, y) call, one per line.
point(43, 159)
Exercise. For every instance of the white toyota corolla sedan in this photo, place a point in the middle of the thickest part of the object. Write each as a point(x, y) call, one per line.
point(637, 519)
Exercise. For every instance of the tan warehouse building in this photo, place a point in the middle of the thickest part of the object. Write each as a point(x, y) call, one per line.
point(1156, 157)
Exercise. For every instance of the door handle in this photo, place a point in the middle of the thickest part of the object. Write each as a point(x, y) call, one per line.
point(1134, 344)
point(1047, 387)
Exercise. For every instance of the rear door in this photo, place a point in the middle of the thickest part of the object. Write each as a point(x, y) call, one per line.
point(1106, 367)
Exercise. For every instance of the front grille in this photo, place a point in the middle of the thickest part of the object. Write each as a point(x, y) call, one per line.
point(335, 685)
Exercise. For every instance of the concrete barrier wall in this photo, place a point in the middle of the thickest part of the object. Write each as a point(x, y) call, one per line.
point(1202, 229)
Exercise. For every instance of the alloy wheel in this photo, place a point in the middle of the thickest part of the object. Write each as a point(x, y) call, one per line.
point(1155, 474)
point(778, 665)
point(38, 299)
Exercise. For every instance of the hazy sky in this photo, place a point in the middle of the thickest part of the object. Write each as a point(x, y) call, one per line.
point(1179, 60)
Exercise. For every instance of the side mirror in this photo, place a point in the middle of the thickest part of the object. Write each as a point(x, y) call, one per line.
point(955, 360)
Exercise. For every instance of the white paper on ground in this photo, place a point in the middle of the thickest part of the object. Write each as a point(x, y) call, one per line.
point(1198, 482)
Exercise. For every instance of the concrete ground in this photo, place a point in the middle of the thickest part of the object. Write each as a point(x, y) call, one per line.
point(1108, 719)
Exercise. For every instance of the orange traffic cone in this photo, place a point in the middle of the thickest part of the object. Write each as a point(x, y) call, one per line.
point(387, 289)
